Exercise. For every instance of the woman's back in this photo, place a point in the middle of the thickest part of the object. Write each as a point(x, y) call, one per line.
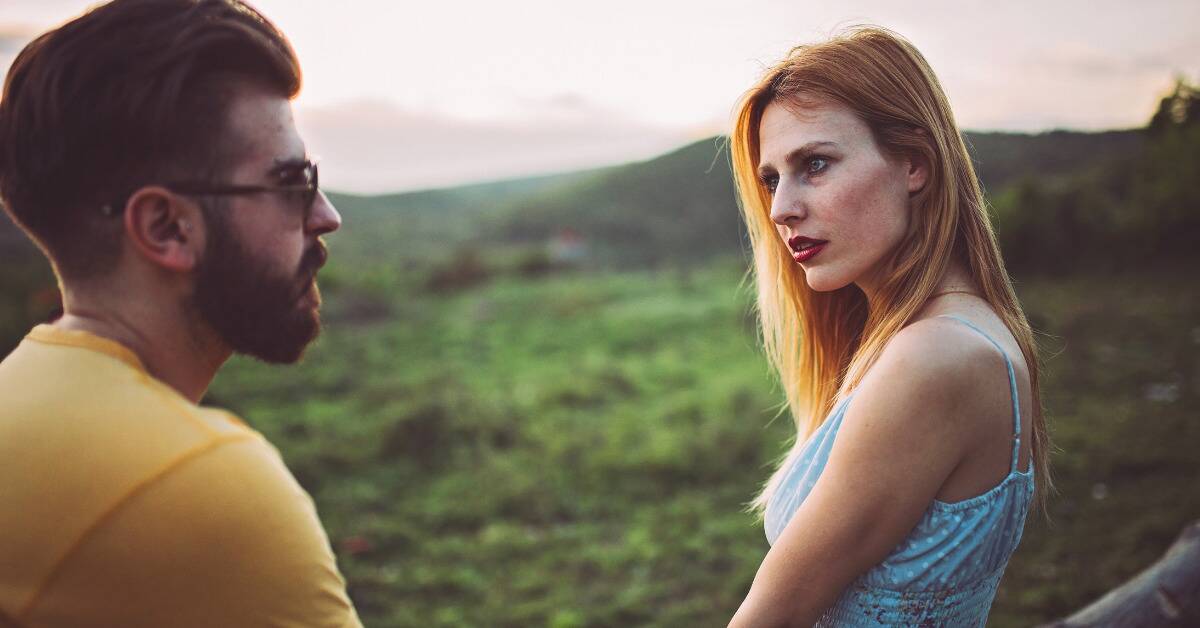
point(946, 571)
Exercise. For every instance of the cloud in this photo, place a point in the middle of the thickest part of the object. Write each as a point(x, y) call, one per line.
point(1092, 62)
point(13, 38)
point(1070, 85)
point(373, 146)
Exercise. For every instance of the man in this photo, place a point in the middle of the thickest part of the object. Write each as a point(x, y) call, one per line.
point(148, 148)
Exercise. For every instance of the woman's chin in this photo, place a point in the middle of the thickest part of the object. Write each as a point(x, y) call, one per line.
point(820, 280)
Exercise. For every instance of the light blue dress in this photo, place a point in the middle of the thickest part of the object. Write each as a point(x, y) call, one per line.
point(945, 573)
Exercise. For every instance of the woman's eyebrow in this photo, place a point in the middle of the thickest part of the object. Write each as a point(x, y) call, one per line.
point(808, 149)
point(799, 153)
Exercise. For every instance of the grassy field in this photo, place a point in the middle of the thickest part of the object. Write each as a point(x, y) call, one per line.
point(576, 450)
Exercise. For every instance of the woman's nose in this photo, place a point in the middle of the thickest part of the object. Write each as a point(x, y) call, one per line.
point(787, 206)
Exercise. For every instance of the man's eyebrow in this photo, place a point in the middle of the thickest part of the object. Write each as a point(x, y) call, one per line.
point(797, 154)
point(285, 164)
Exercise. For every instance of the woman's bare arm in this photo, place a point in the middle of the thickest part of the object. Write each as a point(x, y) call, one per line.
point(902, 436)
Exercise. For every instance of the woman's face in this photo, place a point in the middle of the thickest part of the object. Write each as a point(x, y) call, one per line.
point(840, 204)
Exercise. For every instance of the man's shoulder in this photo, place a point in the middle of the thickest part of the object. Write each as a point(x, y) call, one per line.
point(82, 455)
point(96, 448)
point(65, 398)
point(81, 432)
point(233, 514)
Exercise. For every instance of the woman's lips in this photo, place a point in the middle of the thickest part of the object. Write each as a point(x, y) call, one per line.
point(805, 248)
point(803, 255)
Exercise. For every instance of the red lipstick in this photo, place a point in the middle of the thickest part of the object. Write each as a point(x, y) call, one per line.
point(805, 248)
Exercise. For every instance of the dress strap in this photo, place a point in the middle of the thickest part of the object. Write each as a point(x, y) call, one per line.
point(1012, 383)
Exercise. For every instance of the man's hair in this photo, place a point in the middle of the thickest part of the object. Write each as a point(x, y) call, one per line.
point(132, 93)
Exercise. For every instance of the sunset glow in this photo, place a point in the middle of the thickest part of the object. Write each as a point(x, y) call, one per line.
point(603, 83)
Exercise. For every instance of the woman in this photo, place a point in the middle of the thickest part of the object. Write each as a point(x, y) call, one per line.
point(908, 364)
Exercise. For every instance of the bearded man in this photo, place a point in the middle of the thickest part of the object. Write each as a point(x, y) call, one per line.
point(148, 148)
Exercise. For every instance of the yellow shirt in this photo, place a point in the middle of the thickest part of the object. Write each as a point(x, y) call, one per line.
point(124, 504)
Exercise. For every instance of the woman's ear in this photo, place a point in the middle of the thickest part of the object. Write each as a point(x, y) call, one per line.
point(166, 229)
point(918, 165)
point(918, 173)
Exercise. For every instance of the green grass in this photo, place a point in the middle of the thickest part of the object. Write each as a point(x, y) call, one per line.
point(1121, 391)
point(577, 451)
point(574, 451)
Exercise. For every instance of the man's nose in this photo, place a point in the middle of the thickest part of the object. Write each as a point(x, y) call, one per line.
point(323, 218)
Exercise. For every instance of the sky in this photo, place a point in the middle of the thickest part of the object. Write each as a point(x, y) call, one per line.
point(405, 95)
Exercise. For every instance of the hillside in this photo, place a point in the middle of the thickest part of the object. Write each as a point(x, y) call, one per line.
point(412, 227)
point(673, 207)
point(1002, 159)
point(1061, 198)
point(677, 207)
point(681, 207)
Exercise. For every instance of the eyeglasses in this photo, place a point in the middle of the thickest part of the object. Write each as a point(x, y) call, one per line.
point(298, 178)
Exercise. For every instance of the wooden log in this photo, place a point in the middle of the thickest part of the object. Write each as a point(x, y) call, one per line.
point(1165, 595)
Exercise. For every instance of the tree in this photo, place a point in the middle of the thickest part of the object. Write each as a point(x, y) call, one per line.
point(1180, 108)
point(1166, 594)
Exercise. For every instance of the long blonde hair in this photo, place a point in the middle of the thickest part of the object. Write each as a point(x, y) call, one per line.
point(822, 344)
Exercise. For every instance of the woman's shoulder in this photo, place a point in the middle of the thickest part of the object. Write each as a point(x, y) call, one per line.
point(936, 376)
point(915, 417)
point(947, 350)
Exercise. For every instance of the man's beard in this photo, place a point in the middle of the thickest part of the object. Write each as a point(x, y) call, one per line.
point(253, 310)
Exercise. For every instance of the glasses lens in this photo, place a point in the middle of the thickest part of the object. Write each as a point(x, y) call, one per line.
point(310, 173)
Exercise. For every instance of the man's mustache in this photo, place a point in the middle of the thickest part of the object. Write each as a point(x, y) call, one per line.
point(312, 261)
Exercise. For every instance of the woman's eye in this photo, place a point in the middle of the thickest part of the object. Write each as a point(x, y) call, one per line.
point(817, 164)
point(770, 182)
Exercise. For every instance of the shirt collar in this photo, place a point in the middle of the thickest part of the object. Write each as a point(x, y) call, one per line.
point(51, 334)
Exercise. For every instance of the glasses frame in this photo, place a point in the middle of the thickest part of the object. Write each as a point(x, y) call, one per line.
point(202, 188)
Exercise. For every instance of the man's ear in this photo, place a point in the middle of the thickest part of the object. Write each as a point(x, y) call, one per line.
point(166, 229)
